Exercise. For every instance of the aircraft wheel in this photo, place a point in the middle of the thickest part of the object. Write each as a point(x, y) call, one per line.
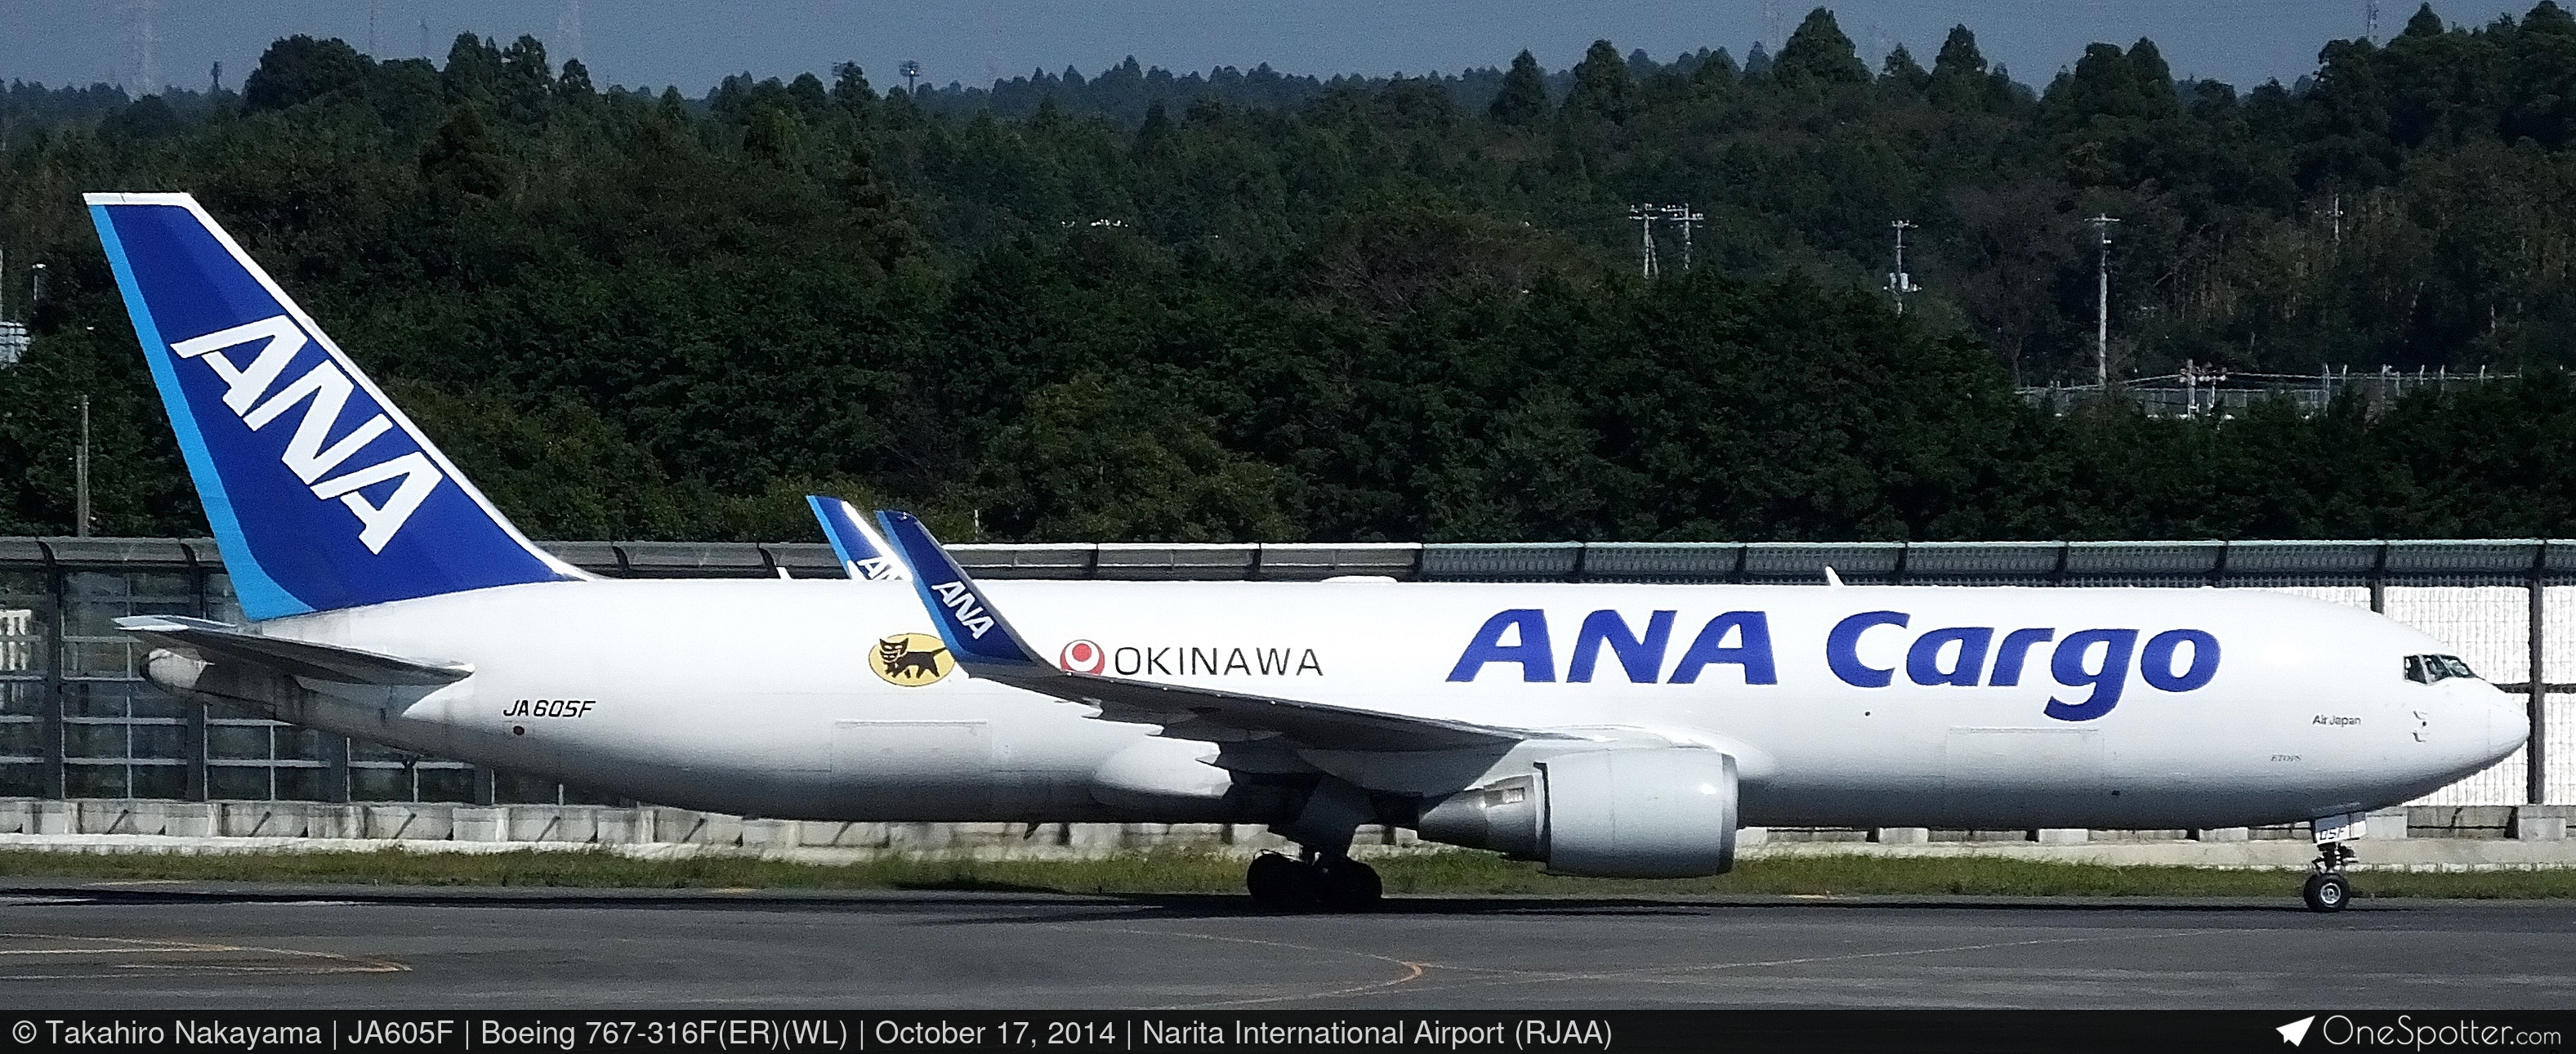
point(2326, 892)
point(1351, 886)
point(1278, 883)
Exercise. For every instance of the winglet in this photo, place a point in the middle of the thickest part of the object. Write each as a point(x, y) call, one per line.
point(863, 554)
point(974, 629)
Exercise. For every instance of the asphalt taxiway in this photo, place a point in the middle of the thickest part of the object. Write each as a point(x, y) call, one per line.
point(172, 945)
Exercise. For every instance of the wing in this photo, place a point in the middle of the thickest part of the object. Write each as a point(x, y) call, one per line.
point(986, 645)
point(215, 642)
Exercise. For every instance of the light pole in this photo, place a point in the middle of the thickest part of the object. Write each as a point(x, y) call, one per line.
point(80, 478)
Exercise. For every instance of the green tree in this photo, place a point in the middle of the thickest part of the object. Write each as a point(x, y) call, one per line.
point(300, 69)
point(1602, 83)
point(464, 158)
point(1523, 98)
point(1818, 53)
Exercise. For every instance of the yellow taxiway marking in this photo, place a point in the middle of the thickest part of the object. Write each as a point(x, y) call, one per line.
point(1412, 970)
point(297, 961)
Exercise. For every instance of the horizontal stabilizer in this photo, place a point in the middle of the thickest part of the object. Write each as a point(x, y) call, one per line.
point(215, 642)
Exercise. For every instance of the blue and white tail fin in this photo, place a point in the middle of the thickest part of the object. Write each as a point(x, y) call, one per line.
point(863, 555)
point(321, 493)
point(977, 635)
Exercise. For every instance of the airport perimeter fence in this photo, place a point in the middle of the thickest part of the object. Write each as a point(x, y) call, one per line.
point(78, 721)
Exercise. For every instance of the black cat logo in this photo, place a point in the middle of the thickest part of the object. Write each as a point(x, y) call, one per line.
point(911, 660)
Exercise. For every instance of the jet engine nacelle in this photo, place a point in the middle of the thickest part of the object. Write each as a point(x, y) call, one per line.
point(1663, 812)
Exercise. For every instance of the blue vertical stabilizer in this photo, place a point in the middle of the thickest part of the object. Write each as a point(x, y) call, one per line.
point(321, 493)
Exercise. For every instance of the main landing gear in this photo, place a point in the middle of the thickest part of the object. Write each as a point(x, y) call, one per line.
point(1312, 882)
point(2326, 890)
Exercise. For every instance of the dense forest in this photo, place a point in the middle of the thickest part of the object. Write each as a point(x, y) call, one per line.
point(1147, 306)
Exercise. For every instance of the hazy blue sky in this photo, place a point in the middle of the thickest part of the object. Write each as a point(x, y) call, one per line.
point(692, 43)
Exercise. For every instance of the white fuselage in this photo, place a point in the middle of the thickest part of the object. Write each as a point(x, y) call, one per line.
point(759, 697)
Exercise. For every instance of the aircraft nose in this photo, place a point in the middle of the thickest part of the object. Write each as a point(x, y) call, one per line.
point(2508, 726)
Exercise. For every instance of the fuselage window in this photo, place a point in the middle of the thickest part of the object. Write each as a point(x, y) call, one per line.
point(2426, 669)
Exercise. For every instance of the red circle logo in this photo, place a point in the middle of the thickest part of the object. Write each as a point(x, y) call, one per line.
point(1082, 656)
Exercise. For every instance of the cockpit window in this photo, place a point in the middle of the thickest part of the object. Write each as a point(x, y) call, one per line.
point(2426, 669)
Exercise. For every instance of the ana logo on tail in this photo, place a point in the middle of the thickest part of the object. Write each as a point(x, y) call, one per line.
point(324, 391)
point(957, 598)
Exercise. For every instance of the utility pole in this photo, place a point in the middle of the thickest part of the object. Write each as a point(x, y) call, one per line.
point(1900, 283)
point(1644, 216)
point(2102, 304)
point(1683, 215)
point(80, 478)
point(2336, 214)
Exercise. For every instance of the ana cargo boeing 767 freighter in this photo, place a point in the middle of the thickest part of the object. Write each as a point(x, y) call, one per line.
point(1620, 730)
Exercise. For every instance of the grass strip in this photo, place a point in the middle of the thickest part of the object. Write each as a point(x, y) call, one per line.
point(1452, 873)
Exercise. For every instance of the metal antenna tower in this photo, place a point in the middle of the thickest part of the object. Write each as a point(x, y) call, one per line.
point(2370, 20)
point(1688, 219)
point(2102, 304)
point(147, 76)
point(1900, 283)
point(568, 28)
point(1644, 217)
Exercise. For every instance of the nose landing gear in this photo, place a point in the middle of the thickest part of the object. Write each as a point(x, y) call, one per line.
point(1315, 882)
point(2326, 890)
